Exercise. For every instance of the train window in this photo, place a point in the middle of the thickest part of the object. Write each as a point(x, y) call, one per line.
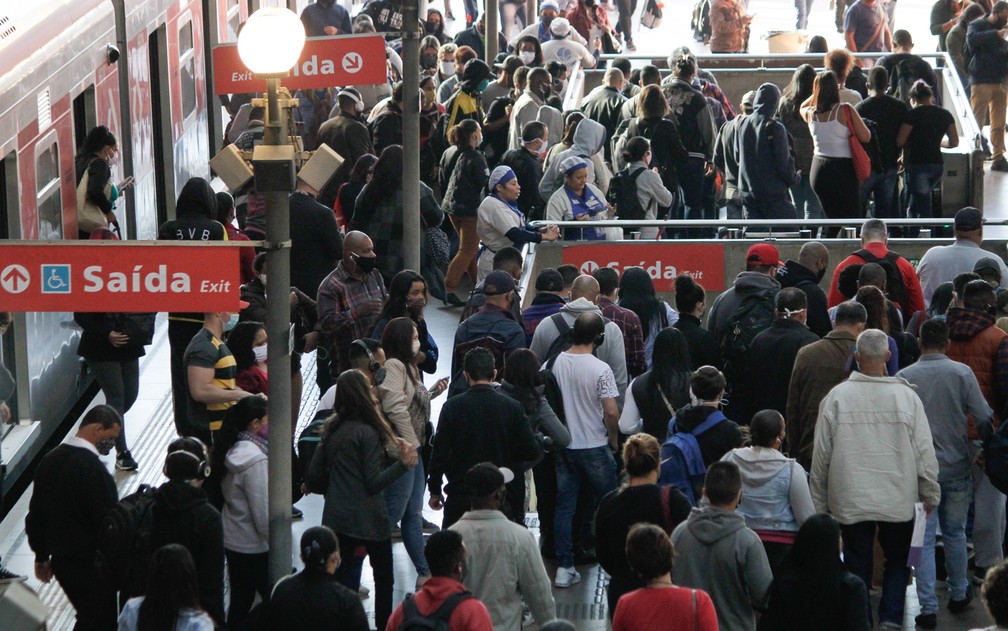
point(233, 19)
point(187, 69)
point(47, 192)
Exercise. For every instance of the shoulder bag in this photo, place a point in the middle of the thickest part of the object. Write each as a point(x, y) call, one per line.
point(862, 163)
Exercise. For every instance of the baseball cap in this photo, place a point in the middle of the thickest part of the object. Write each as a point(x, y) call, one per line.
point(497, 283)
point(549, 280)
point(988, 264)
point(485, 478)
point(560, 27)
point(762, 254)
point(549, 4)
point(968, 219)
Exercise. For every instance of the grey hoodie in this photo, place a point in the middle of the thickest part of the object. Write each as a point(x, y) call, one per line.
point(715, 552)
point(245, 489)
point(589, 138)
point(766, 166)
point(760, 465)
point(612, 351)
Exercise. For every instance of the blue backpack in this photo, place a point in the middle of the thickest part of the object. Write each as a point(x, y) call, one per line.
point(682, 463)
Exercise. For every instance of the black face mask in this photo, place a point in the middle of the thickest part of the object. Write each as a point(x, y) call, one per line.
point(589, 3)
point(327, 3)
point(364, 263)
point(431, 27)
point(820, 274)
point(428, 61)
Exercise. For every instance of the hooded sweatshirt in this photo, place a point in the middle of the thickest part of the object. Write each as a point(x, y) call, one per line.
point(775, 492)
point(746, 284)
point(612, 351)
point(715, 442)
point(715, 552)
point(766, 166)
point(589, 138)
point(246, 520)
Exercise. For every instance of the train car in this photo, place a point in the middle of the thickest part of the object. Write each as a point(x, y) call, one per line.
point(136, 66)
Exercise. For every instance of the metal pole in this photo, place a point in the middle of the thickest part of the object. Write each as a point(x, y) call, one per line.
point(411, 135)
point(278, 354)
point(492, 24)
point(531, 11)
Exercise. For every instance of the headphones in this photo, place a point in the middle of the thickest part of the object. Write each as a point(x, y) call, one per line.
point(377, 371)
point(202, 465)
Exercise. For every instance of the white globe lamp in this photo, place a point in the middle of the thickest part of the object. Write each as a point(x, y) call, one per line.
point(270, 43)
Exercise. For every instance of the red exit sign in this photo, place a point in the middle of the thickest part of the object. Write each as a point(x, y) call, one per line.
point(325, 62)
point(102, 276)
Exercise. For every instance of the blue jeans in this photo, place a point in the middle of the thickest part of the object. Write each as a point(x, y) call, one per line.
point(404, 500)
point(805, 200)
point(920, 180)
point(595, 466)
point(882, 186)
point(858, 549)
point(951, 514)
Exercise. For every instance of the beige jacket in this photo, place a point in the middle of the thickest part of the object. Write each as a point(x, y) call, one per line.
point(873, 456)
point(395, 394)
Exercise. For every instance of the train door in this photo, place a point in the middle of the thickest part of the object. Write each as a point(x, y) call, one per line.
point(84, 116)
point(164, 166)
point(10, 211)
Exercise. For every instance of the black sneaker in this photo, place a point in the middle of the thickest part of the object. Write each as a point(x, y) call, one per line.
point(927, 621)
point(296, 513)
point(453, 300)
point(999, 165)
point(6, 576)
point(125, 461)
point(979, 574)
point(958, 606)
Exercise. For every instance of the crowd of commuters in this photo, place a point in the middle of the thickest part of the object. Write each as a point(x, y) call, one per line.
point(590, 390)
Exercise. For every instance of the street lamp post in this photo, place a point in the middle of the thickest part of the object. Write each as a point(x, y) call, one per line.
point(269, 45)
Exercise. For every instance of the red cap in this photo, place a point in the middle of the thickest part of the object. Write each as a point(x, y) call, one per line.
point(762, 254)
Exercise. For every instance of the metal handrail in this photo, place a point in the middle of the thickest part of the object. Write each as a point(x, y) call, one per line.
point(745, 223)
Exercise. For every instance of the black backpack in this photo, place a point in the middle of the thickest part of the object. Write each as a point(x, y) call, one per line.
point(563, 339)
point(552, 392)
point(872, 147)
point(751, 317)
point(700, 23)
point(623, 194)
point(895, 287)
point(995, 452)
point(310, 439)
point(125, 542)
point(901, 79)
point(437, 621)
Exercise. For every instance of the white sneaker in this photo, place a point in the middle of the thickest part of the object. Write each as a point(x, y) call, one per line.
point(566, 576)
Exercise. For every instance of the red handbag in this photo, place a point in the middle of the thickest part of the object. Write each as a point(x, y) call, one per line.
point(862, 163)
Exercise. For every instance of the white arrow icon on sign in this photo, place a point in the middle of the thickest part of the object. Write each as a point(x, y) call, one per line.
point(352, 62)
point(15, 279)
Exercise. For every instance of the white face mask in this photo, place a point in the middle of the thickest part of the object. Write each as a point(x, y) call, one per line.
point(447, 68)
point(416, 346)
point(260, 353)
point(527, 57)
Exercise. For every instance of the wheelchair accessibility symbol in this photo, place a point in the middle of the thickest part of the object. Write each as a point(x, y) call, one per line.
point(55, 279)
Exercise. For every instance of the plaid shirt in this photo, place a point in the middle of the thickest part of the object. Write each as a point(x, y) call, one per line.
point(339, 296)
point(633, 334)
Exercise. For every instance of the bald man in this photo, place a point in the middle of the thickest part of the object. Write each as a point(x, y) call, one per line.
point(604, 103)
point(350, 299)
point(546, 342)
point(805, 274)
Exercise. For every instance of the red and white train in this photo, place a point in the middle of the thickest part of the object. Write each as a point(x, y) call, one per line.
point(139, 67)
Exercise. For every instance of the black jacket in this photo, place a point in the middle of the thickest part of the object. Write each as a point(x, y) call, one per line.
point(316, 243)
point(769, 362)
point(528, 172)
point(703, 346)
point(350, 138)
point(73, 492)
point(94, 343)
point(667, 148)
point(470, 37)
point(793, 608)
point(479, 425)
point(183, 515)
point(312, 601)
point(464, 192)
point(795, 275)
point(386, 128)
point(603, 105)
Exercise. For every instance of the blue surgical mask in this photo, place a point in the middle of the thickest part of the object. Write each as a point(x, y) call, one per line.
point(232, 321)
point(484, 84)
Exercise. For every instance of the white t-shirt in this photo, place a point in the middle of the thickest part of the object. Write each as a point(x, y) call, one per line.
point(585, 381)
point(567, 52)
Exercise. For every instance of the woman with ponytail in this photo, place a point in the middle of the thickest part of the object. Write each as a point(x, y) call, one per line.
point(312, 599)
point(172, 602)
